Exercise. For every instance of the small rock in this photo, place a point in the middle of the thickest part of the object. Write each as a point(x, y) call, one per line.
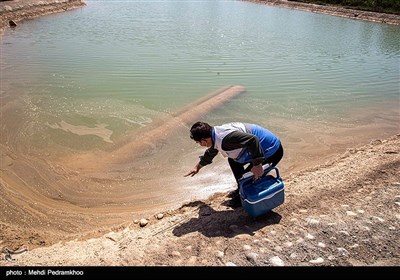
point(300, 240)
point(309, 236)
point(351, 213)
point(12, 23)
point(293, 255)
point(343, 251)
point(312, 221)
point(247, 247)
point(317, 260)
point(175, 254)
point(276, 261)
point(278, 249)
point(379, 219)
point(230, 264)
point(251, 256)
point(160, 216)
point(220, 254)
point(143, 222)
point(376, 142)
point(288, 244)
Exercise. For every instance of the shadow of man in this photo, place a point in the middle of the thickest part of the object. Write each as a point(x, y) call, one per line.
point(227, 223)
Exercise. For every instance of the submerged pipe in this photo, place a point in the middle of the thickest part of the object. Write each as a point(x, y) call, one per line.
point(184, 117)
point(161, 130)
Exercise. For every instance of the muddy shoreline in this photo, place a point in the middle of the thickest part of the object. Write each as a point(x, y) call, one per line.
point(334, 10)
point(18, 10)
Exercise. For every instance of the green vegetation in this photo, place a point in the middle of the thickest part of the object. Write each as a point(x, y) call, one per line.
point(381, 6)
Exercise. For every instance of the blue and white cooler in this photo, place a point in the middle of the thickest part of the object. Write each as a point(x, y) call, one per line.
point(263, 195)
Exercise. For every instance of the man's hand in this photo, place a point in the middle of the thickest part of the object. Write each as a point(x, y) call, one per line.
point(258, 171)
point(194, 171)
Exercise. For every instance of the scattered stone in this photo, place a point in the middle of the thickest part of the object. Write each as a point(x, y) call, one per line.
point(143, 222)
point(288, 244)
point(300, 240)
point(136, 221)
point(343, 251)
point(344, 232)
point(230, 264)
point(309, 236)
point(351, 213)
point(251, 256)
point(276, 261)
point(242, 236)
point(360, 211)
point(376, 142)
point(220, 254)
point(247, 247)
point(317, 261)
point(312, 221)
point(322, 245)
point(278, 248)
point(354, 245)
point(378, 218)
point(12, 23)
point(175, 254)
point(160, 216)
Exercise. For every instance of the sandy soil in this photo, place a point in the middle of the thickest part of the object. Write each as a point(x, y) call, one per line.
point(342, 213)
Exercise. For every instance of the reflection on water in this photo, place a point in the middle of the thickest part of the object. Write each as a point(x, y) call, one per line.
point(84, 83)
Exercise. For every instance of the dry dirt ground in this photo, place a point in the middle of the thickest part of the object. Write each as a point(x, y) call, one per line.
point(342, 213)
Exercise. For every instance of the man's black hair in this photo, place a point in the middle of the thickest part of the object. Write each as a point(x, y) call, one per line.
point(200, 130)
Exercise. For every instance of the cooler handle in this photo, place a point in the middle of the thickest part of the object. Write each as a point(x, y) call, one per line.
point(267, 169)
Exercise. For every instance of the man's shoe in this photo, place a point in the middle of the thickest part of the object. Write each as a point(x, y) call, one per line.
point(235, 202)
point(234, 193)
